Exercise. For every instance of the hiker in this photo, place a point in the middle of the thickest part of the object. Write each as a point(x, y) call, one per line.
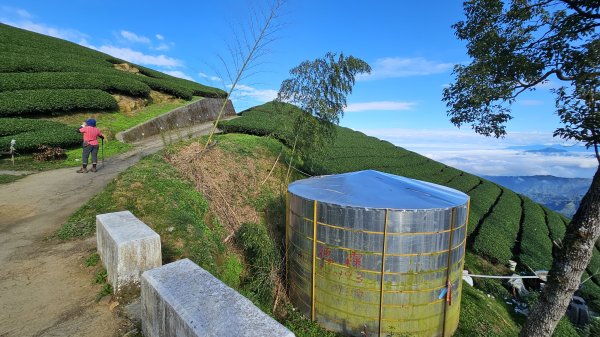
point(90, 144)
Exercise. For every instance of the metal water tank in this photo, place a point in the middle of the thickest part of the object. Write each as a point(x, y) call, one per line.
point(372, 254)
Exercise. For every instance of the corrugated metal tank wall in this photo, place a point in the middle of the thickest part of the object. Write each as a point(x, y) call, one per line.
point(335, 277)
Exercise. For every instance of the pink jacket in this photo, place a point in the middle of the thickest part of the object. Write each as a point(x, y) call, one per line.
point(91, 134)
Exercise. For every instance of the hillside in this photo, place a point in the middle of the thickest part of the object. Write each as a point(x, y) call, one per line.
point(44, 77)
point(562, 195)
point(503, 225)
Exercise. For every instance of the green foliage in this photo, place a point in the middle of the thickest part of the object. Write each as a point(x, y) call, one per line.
point(594, 266)
point(31, 61)
point(9, 178)
point(303, 327)
point(536, 246)
point(92, 260)
point(498, 233)
point(231, 271)
point(465, 182)
point(564, 328)
point(514, 47)
point(590, 291)
point(167, 203)
point(354, 151)
point(483, 198)
point(555, 225)
point(31, 133)
point(74, 80)
point(483, 316)
point(101, 276)
point(262, 256)
point(319, 88)
point(47, 101)
point(105, 290)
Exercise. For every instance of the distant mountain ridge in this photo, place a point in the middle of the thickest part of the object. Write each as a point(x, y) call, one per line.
point(559, 194)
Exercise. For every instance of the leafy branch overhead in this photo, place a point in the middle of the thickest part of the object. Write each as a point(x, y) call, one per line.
point(517, 46)
point(514, 47)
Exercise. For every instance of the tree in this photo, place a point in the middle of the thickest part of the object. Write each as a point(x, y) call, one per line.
point(514, 47)
point(319, 88)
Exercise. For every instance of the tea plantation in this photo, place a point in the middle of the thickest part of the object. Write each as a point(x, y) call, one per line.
point(43, 76)
point(502, 224)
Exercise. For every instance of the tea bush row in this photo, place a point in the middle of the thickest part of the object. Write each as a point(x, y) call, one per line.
point(555, 225)
point(47, 101)
point(482, 199)
point(536, 246)
point(74, 80)
point(31, 133)
point(497, 235)
point(464, 182)
point(24, 51)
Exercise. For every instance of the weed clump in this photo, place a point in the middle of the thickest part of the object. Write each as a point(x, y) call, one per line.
point(262, 257)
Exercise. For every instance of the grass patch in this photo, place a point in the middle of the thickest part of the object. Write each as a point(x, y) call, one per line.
point(156, 193)
point(92, 260)
point(483, 316)
point(9, 178)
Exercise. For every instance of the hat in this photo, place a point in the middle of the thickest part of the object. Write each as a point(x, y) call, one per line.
point(91, 122)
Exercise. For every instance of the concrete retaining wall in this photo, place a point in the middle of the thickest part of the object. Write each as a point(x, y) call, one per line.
point(127, 248)
point(202, 111)
point(182, 299)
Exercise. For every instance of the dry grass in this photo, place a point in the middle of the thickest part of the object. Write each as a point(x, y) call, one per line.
point(231, 182)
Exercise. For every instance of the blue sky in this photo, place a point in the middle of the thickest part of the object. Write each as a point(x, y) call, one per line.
point(409, 44)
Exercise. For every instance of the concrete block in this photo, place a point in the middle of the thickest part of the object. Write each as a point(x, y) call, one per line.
point(182, 299)
point(127, 248)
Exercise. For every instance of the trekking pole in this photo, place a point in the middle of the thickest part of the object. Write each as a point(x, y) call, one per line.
point(102, 152)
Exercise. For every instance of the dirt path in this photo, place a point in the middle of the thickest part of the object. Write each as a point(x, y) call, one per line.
point(45, 289)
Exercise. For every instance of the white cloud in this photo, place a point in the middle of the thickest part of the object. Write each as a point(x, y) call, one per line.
point(22, 21)
point(212, 78)
point(393, 67)
point(379, 106)
point(178, 73)
point(163, 46)
point(8, 11)
point(465, 150)
point(139, 57)
point(159, 37)
point(133, 37)
point(261, 95)
point(512, 162)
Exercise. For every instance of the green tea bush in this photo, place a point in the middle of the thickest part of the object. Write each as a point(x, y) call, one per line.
point(536, 246)
point(482, 199)
point(445, 175)
point(74, 80)
point(22, 51)
point(464, 182)
point(31, 133)
point(555, 225)
point(497, 235)
point(48, 101)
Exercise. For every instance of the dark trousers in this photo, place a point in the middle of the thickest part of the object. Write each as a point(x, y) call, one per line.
point(93, 149)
